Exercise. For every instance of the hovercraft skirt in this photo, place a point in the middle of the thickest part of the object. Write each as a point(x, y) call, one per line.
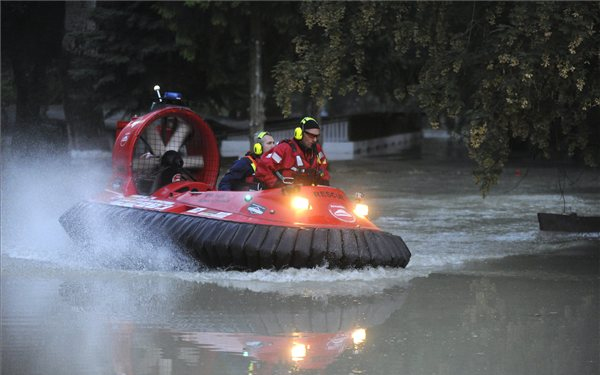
point(242, 246)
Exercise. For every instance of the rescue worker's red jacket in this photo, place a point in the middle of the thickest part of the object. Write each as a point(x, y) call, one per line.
point(291, 160)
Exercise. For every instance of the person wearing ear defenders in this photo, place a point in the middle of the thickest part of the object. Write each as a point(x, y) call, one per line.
point(299, 160)
point(241, 174)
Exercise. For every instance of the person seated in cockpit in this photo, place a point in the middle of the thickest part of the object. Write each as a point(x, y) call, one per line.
point(170, 170)
point(300, 160)
point(240, 176)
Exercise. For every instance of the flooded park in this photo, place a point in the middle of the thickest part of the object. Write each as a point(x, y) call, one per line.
point(485, 291)
point(373, 248)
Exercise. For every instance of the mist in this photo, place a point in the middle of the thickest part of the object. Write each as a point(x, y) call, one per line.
point(36, 190)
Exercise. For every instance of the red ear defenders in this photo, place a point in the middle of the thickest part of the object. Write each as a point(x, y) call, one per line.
point(258, 148)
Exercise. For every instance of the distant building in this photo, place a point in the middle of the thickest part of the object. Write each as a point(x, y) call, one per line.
point(348, 137)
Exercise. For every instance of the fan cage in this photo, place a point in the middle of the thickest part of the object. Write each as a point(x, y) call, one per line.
point(164, 134)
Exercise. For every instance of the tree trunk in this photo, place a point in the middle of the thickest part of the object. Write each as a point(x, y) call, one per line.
point(30, 51)
point(84, 116)
point(28, 80)
point(257, 95)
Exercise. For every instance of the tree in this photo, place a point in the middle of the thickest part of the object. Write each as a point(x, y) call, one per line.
point(29, 55)
point(233, 44)
point(525, 71)
point(126, 53)
point(257, 93)
point(83, 109)
point(502, 71)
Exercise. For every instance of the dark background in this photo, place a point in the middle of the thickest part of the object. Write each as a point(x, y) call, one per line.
point(503, 77)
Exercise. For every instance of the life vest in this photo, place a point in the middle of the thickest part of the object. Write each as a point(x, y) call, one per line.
point(251, 181)
point(306, 170)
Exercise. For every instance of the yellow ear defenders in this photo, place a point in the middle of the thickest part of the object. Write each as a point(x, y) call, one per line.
point(258, 148)
point(299, 131)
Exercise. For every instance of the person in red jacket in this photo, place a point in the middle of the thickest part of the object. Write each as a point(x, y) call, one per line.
point(299, 160)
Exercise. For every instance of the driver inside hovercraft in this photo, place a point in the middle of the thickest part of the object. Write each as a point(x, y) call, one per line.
point(170, 170)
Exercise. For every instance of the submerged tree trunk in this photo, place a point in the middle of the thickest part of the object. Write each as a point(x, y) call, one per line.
point(83, 113)
point(257, 95)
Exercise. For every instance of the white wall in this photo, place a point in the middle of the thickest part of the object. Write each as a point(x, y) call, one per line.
point(390, 145)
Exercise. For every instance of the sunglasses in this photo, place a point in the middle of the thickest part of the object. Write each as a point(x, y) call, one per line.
point(315, 136)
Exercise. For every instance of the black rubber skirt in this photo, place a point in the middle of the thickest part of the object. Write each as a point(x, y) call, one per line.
point(240, 246)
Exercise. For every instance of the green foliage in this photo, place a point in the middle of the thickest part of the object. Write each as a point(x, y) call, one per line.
point(30, 55)
point(331, 54)
point(209, 36)
point(8, 86)
point(215, 38)
point(502, 71)
point(522, 70)
point(136, 45)
point(128, 52)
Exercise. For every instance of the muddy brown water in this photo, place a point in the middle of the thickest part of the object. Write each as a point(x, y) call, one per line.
point(485, 292)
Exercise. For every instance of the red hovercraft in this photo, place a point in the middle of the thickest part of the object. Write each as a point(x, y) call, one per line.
point(295, 226)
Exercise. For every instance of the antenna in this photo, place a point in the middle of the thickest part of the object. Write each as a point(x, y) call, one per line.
point(157, 89)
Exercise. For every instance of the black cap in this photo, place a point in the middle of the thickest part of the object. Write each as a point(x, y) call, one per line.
point(309, 123)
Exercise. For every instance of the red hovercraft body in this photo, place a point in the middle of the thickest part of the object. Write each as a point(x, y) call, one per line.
point(296, 226)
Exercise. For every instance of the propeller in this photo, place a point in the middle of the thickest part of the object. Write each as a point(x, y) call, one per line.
point(157, 146)
point(178, 138)
point(153, 139)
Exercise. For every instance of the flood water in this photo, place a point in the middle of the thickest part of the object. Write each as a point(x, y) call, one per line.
point(485, 291)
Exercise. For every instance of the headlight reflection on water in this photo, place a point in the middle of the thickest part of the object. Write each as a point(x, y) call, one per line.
point(359, 336)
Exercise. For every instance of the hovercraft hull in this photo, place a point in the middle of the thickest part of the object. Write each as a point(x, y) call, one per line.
point(245, 246)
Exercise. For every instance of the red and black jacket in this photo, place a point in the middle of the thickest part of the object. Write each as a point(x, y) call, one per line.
point(241, 175)
point(290, 159)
